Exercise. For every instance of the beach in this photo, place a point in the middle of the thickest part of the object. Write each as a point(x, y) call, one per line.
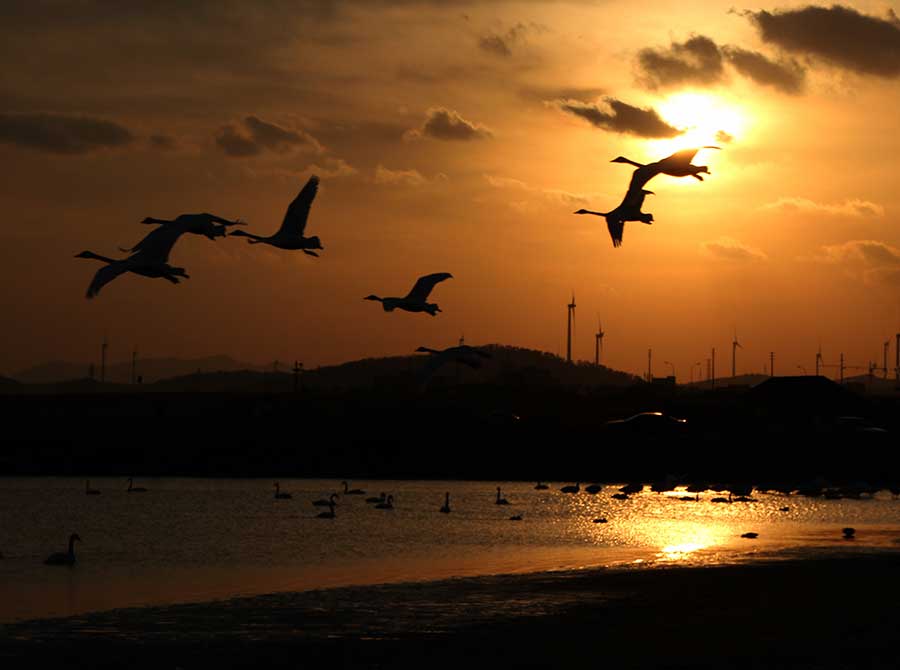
point(835, 612)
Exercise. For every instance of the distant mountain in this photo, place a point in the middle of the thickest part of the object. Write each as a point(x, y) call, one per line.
point(151, 369)
point(723, 382)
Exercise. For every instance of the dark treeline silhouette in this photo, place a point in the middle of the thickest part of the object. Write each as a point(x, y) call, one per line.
point(520, 423)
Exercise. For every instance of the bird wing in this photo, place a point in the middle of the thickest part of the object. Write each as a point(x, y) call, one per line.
point(642, 175)
point(295, 218)
point(157, 245)
point(634, 199)
point(105, 275)
point(616, 229)
point(680, 159)
point(424, 285)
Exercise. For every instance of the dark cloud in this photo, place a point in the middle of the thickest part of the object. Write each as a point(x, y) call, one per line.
point(255, 135)
point(695, 61)
point(544, 93)
point(502, 44)
point(839, 35)
point(445, 124)
point(62, 134)
point(786, 75)
point(622, 118)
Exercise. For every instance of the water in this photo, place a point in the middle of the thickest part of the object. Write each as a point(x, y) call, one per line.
point(192, 540)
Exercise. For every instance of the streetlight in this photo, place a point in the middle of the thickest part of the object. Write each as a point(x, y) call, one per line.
point(673, 367)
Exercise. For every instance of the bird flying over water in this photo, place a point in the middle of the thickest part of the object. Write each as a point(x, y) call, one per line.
point(150, 259)
point(628, 210)
point(676, 165)
point(290, 235)
point(416, 299)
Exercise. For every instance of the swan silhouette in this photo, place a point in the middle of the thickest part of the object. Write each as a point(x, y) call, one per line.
point(322, 502)
point(416, 299)
point(89, 491)
point(327, 515)
point(676, 165)
point(135, 489)
point(516, 517)
point(377, 499)
point(463, 353)
point(67, 558)
point(352, 492)
point(594, 489)
point(279, 495)
point(387, 504)
point(628, 210)
point(571, 489)
point(206, 224)
point(499, 500)
point(150, 258)
point(446, 508)
point(290, 234)
point(540, 487)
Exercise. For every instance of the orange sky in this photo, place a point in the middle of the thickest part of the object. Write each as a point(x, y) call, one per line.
point(454, 137)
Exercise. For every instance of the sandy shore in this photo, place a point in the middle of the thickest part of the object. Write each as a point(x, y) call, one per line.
point(821, 613)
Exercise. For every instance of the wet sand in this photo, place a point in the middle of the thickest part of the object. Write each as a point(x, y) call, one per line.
point(815, 613)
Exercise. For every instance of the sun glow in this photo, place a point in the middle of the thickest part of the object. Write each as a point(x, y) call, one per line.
point(705, 120)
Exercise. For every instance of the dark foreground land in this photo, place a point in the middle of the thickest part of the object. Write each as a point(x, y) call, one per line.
point(822, 613)
point(788, 428)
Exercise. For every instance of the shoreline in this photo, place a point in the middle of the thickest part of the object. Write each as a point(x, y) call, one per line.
point(813, 612)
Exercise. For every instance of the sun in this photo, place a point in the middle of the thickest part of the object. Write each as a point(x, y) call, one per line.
point(705, 119)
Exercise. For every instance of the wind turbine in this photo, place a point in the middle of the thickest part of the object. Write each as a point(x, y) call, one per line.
point(598, 342)
point(734, 347)
point(570, 326)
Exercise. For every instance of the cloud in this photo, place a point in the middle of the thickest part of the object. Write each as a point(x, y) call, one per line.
point(445, 124)
point(254, 136)
point(727, 249)
point(622, 118)
point(723, 137)
point(502, 44)
point(411, 177)
point(786, 75)
point(332, 167)
point(549, 93)
point(565, 197)
point(852, 208)
point(838, 35)
point(59, 134)
point(695, 61)
point(874, 261)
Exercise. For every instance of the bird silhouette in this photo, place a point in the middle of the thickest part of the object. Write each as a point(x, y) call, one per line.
point(290, 234)
point(446, 508)
point(279, 494)
point(628, 210)
point(135, 489)
point(327, 515)
point(571, 489)
point(150, 258)
point(210, 225)
point(500, 500)
point(352, 492)
point(323, 502)
point(676, 165)
point(465, 354)
point(387, 504)
point(416, 299)
point(64, 558)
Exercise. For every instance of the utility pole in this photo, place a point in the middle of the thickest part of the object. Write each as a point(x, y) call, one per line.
point(133, 365)
point(887, 346)
point(598, 342)
point(734, 347)
point(818, 360)
point(771, 363)
point(649, 365)
point(713, 368)
point(842, 367)
point(297, 369)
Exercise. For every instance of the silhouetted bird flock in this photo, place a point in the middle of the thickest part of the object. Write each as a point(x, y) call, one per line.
point(150, 256)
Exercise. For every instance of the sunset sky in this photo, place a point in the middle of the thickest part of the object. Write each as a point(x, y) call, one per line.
point(458, 137)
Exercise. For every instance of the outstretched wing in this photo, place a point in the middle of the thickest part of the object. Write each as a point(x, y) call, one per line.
point(157, 245)
point(680, 159)
point(424, 285)
point(642, 175)
point(105, 275)
point(616, 229)
point(295, 218)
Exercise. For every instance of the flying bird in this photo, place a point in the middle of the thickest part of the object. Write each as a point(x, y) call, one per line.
point(463, 353)
point(210, 225)
point(628, 210)
point(676, 165)
point(416, 299)
point(150, 259)
point(290, 235)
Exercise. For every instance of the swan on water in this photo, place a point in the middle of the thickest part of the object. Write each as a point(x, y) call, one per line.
point(323, 502)
point(67, 558)
point(135, 489)
point(446, 508)
point(279, 495)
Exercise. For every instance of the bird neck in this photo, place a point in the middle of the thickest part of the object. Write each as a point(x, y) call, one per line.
point(72, 546)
